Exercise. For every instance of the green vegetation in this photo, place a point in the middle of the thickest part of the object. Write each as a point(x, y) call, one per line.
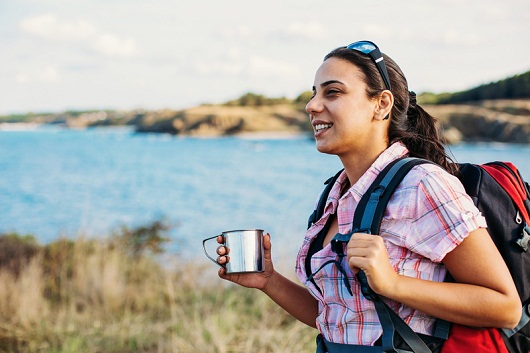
point(515, 87)
point(24, 118)
point(500, 110)
point(121, 293)
point(256, 100)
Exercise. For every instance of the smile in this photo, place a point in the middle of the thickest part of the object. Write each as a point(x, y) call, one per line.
point(320, 127)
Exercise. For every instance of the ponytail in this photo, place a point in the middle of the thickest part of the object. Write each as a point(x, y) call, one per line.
point(422, 137)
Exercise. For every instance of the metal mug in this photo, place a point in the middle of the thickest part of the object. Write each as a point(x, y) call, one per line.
point(246, 250)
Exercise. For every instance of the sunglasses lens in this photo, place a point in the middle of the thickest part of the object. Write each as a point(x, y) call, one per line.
point(363, 47)
point(370, 49)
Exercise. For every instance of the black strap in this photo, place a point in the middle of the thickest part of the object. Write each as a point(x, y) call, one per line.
point(324, 346)
point(319, 211)
point(367, 218)
point(371, 208)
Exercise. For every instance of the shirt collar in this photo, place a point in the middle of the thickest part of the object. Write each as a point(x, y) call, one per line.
point(395, 151)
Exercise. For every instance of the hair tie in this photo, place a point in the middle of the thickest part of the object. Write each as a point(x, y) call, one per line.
point(412, 98)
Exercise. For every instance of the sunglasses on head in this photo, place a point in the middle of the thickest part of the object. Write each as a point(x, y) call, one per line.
point(370, 49)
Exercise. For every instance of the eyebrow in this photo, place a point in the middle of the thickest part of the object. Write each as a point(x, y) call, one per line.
point(327, 83)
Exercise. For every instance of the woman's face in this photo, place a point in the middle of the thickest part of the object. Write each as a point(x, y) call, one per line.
point(341, 113)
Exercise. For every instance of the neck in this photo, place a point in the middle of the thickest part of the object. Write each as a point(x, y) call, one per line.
point(356, 164)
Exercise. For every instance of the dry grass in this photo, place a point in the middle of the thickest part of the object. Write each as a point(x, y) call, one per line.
point(98, 296)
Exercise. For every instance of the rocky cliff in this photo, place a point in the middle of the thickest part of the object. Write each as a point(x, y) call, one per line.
point(494, 120)
point(211, 120)
point(490, 120)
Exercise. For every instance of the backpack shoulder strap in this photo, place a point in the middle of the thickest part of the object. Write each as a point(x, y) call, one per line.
point(369, 213)
point(367, 218)
point(319, 211)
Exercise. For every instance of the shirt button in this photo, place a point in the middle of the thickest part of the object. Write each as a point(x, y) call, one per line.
point(467, 216)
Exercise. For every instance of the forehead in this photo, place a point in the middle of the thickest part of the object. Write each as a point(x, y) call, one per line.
point(338, 70)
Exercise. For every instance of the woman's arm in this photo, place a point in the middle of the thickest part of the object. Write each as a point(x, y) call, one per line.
point(484, 295)
point(292, 297)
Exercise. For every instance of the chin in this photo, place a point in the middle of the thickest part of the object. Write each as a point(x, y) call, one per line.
point(324, 149)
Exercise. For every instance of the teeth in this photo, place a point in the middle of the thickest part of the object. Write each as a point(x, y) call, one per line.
point(319, 127)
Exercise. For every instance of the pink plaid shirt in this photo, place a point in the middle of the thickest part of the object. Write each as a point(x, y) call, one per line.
point(427, 217)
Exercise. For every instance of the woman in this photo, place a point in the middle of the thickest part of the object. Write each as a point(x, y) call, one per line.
point(362, 111)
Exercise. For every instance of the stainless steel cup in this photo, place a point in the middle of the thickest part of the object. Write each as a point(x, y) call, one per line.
point(245, 250)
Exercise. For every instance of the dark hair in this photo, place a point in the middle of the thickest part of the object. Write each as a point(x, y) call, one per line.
point(409, 123)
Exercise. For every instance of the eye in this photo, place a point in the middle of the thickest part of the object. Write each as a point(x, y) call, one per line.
point(332, 91)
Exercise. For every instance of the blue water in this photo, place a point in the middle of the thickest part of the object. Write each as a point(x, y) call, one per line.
point(56, 182)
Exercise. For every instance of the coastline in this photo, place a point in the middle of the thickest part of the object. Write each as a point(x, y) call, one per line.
point(273, 135)
point(19, 126)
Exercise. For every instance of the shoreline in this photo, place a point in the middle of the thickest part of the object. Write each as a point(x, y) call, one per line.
point(273, 135)
point(19, 126)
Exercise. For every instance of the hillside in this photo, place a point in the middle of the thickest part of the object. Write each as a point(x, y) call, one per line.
point(499, 120)
point(515, 87)
point(490, 120)
point(490, 113)
point(223, 120)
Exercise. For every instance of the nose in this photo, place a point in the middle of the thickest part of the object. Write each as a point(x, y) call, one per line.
point(313, 106)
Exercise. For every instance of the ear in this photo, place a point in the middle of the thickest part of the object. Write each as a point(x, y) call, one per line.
point(384, 104)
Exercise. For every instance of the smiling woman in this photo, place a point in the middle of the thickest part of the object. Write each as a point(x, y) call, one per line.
point(362, 112)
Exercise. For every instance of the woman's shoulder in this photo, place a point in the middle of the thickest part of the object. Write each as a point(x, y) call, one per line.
point(430, 181)
point(430, 173)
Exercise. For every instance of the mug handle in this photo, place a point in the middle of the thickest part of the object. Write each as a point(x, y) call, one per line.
point(206, 253)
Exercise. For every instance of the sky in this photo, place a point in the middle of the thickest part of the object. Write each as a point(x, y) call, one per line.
point(58, 55)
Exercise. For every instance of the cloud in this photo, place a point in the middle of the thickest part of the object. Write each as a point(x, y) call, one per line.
point(49, 27)
point(49, 74)
point(300, 31)
point(312, 30)
point(254, 66)
point(262, 66)
point(378, 31)
point(453, 37)
point(111, 45)
point(209, 68)
point(240, 31)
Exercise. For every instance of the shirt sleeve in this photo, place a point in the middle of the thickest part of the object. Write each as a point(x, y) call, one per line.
point(444, 217)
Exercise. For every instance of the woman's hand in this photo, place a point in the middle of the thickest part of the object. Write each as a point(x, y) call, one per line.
point(291, 296)
point(367, 252)
point(257, 280)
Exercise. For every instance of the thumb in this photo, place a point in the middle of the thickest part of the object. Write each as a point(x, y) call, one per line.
point(267, 245)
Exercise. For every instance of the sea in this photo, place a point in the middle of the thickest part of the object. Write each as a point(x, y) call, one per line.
point(64, 183)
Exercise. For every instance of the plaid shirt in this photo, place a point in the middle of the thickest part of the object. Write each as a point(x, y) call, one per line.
point(427, 217)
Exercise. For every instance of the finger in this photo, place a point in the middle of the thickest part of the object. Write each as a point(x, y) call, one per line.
point(362, 237)
point(361, 240)
point(222, 272)
point(223, 250)
point(267, 246)
point(267, 241)
point(222, 260)
point(228, 276)
point(220, 239)
point(357, 261)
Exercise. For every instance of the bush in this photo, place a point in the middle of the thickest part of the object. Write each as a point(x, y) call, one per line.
point(17, 251)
